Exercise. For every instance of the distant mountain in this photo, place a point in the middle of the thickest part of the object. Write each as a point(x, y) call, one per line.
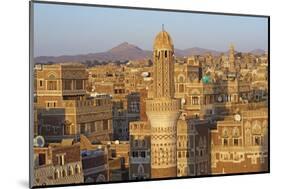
point(121, 52)
point(126, 51)
point(258, 51)
point(195, 51)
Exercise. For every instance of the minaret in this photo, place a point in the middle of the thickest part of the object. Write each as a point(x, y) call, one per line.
point(163, 109)
point(231, 58)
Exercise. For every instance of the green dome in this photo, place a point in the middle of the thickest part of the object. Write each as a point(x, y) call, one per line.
point(206, 79)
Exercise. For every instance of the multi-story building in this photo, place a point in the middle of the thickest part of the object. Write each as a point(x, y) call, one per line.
point(118, 159)
point(188, 85)
point(122, 116)
point(140, 150)
point(118, 170)
point(58, 163)
point(105, 161)
point(63, 108)
point(94, 161)
point(120, 121)
point(193, 147)
point(239, 143)
point(95, 165)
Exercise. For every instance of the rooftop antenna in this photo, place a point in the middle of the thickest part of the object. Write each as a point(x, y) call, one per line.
point(163, 27)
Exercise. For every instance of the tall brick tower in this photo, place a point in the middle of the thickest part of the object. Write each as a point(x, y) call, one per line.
point(162, 109)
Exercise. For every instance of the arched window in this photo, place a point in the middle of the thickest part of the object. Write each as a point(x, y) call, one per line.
point(155, 53)
point(143, 143)
point(140, 170)
point(179, 172)
point(179, 154)
point(64, 173)
point(205, 141)
point(89, 180)
point(257, 140)
point(56, 174)
point(181, 88)
point(235, 132)
point(256, 129)
point(70, 170)
point(264, 127)
point(248, 136)
point(195, 100)
point(67, 126)
point(77, 169)
point(136, 143)
point(101, 178)
point(51, 82)
point(200, 141)
point(52, 76)
point(200, 153)
point(225, 133)
point(181, 78)
point(52, 85)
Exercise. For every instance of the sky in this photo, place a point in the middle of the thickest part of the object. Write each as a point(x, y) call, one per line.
point(71, 30)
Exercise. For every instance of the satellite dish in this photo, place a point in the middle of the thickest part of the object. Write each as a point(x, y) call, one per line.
point(39, 141)
point(182, 101)
point(237, 117)
point(144, 74)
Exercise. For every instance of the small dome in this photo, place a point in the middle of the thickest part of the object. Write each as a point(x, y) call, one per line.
point(163, 41)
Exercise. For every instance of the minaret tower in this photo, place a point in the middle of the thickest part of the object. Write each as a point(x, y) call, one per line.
point(231, 58)
point(163, 109)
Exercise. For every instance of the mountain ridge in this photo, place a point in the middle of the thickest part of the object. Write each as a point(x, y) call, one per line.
point(126, 51)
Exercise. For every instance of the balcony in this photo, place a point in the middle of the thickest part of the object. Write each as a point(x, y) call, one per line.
point(73, 92)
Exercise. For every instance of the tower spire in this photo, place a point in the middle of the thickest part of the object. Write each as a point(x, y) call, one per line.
point(163, 29)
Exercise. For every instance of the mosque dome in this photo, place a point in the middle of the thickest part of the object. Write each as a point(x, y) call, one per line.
point(163, 41)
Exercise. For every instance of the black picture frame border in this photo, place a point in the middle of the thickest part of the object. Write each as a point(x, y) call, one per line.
point(31, 64)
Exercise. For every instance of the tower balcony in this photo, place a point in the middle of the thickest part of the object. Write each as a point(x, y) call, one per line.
point(162, 105)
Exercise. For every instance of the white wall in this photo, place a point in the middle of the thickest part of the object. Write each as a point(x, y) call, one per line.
point(14, 92)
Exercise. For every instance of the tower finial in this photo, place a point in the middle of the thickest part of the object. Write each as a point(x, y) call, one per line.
point(231, 46)
point(163, 27)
